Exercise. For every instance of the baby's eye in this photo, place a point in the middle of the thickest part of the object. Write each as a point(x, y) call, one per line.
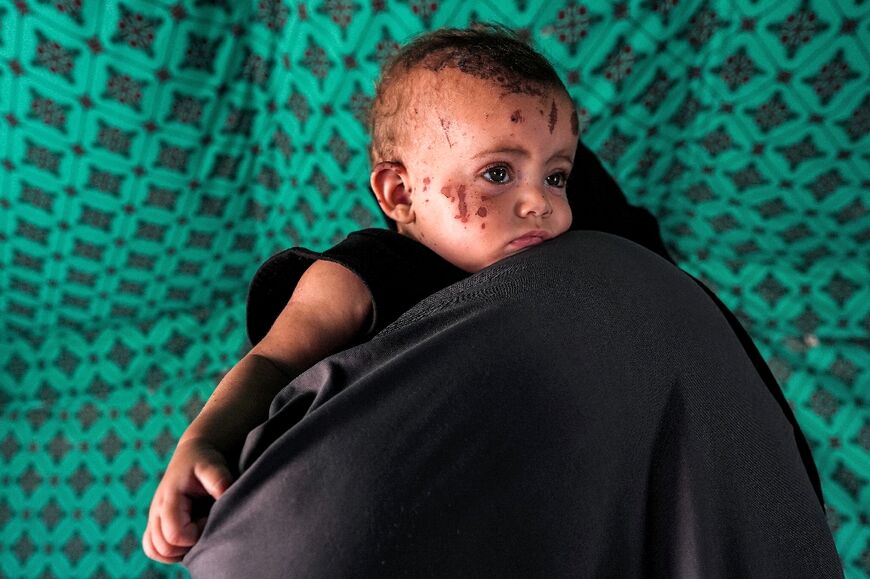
point(498, 174)
point(558, 180)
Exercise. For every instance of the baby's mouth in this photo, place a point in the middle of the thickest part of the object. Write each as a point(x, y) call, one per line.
point(529, 239)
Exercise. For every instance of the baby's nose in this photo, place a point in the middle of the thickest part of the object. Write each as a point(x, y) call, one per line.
point(534, 201)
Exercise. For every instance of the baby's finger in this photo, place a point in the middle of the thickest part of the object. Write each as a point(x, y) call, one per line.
point(176, 524)
point(215, 478)
point(156, 547)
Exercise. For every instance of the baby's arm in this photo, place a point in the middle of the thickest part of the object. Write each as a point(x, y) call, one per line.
point(329, 308)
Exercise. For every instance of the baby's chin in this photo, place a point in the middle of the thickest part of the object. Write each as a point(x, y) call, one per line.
point(483, 265)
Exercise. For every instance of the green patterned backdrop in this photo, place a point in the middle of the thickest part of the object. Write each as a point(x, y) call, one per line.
point(153, 153)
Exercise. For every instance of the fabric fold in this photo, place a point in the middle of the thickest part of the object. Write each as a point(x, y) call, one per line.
point(580, 409)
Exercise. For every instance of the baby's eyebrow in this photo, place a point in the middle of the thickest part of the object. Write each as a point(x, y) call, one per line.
point(564, 154)
point(502, 151)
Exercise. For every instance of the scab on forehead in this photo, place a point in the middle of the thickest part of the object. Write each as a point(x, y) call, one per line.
point(445, 126)
point(554, 116)
point(484, 68)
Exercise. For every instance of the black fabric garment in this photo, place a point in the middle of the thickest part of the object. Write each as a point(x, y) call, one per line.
point(580, 409)
point(400, 272)
point(598, 204)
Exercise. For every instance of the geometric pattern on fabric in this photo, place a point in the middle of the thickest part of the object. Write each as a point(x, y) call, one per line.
point(152, 154)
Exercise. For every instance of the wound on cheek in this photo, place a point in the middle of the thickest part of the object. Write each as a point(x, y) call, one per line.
point(481, 211)
point(447, 192)
point(554, 116)
point(463, 208)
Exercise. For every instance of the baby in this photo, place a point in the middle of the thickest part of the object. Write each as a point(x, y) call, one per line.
point(473, 138)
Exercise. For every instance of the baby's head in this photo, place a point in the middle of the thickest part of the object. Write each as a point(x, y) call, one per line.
point(473, 138)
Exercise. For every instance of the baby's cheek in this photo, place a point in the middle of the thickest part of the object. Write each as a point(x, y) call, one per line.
point(565, 214)
point(459, 196)
point(483, 208)
point(482, 204)
point(462, 203)
point(470, 205)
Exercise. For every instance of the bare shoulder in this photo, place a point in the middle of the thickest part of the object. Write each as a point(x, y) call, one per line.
point(325, 280)
point(329, 309)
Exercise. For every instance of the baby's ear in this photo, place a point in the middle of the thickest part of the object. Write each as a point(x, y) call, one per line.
point(392, 188)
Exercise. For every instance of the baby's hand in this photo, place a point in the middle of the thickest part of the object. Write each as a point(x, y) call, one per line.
point(196, 472)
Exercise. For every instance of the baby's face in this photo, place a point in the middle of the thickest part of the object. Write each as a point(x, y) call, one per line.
point(487, 170)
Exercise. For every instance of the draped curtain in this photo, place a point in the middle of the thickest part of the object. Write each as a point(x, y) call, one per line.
point(153, 153)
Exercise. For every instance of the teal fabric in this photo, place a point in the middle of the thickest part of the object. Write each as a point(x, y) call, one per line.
point(152, 154)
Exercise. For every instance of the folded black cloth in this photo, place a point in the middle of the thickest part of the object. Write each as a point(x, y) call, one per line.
point(580, 409)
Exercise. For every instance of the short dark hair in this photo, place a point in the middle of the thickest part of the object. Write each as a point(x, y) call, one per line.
point(487, 51)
